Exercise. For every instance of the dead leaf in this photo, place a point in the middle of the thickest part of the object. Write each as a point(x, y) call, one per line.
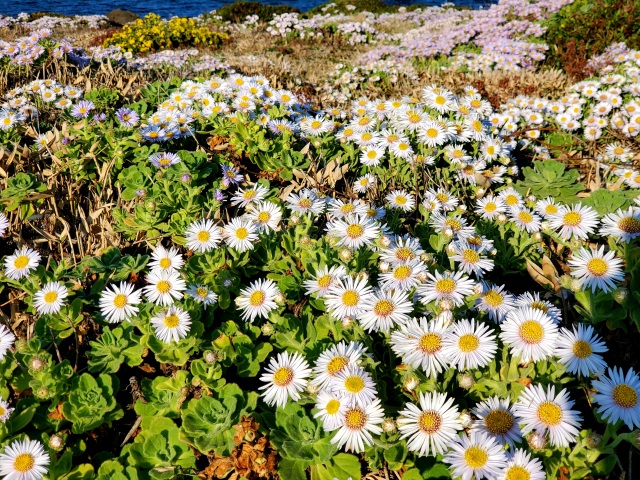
point(538, 275)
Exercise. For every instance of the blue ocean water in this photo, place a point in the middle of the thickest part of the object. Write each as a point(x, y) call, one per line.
point(168, 8)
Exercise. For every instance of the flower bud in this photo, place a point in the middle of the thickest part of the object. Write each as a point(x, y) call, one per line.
point(384, 267)
point(537, 237)
point(446, 304)
point(210, 357)
point(466, 381)
point(385, 241)
point(36, 364)
point(620, 294)
point(312, 388)
point(345, 254)
point(347, 322)
point(411, 382)
point(388, 425)
point(537, 441)
point(465, 419)
point(448, 233)
point(279, 298)
point(294, 219)
point(56, 442)
point(267, 329)
point(593, 440)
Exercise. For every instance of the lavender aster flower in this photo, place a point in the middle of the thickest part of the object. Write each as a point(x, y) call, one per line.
point(127, 117)
point(82, 109)
point(230, 176)
point(99, 117)
point(164, 159)
point(219, 196)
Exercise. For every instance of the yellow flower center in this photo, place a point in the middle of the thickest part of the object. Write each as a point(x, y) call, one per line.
point(476, 125)
point(414, 118)
point(498, 422)
point(549, 413)
point(432, 133)
point(511, 200)
point(304, 203)
point(171, 321)
point(476, 457)
point(263, 217)
point(517, 473)
point(539, 306)
point(490, 207)
point(402, 272)
point(430, 343)
point(120, 300)
point(283, 376)
point(401, 200)
point(597, 267)
point(366, 136)
point(50, 297)
point(470, 256)
point(625, 396)
point(202, 291)
point(468, 343)
point(242, 233)
point(525, 217)
point(347, 208)
point(582, 349)
point(316, 124)
point(2, 411)
point(372, 154)
point(383, 308)
point(493, 298)
point(491, 150)
point(257, 298)
point(429, 422)
point(355, 418)
point(440, 100)
point(332, 407)
point(21, 262)
point(355, 230)
point(336, 365)
point(572, 219)
point(24, 462)
point(163, 286)
point(531, 332)
point(393, 138)
point(354, 384)
point(445, 286)
point(442, 197)
point(324, 281)
point(453, 224)
point(350, 298)
point(404, 254)
point(165, 263)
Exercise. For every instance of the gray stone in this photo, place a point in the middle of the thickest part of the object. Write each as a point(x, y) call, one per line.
point(122, 17)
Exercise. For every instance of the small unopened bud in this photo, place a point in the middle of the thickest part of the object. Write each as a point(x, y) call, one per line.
point(466, 381)
point(502, 218)
point(385, 241)
point(279, 298)
point(227, 283)
point(422, 277)
point(313, 388)
point(480, 192)
point(426, 257)
point(537, 237)
point(620, 294)
point(305, 240)
point(347, 322)
point(446, 317)
point(384, 267)
point(446, 304)
point(462, 208)
point(333, 241)
point(36, 364)
point(575, 285)
point(294, 219)
point(316, 144)
point(537, 441)
point(388, 425)
point(477, 289)
point(451, 249)
point(465, 419)
point(210, 357)
point(411, 382)
point(42, 393)
point(267, 329)
point(575, 244)
point(346, 254)
point(593, 440)
point(448, 233)
point(56, 442)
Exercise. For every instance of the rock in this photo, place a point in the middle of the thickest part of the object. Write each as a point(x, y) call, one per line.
point(122, 17)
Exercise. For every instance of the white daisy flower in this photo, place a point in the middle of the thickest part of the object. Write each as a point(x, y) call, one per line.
point(525, 219)
point(533, 300)
point(347, 297)
point(171, 325)
point(6, 341)
point(419, 343)
point(402, 250)
point(403, 276)
point(4, 224)
point(356, 426)
point(579, 350)
point(490, 207)
point(240, 234)
point(450, 286)
point(305, 203)
point(249, 195)
point(495, 417)
point(285, 377)
point(49, 300)
point(469, 345)
point(5, 411)
point(354, 383)
point(342, 209)
point(21, 263)
point(119, 304)
point(354, 231)
point(623, 225)
point(202, 294)
point(531, 334)
point(470, 259)
point(511, 198)
point(166, 259)
point(258, 299)
point(431, 426)
point(478, 456)
point(265, 215)
point(547, 207)
point(331, 408)
point(385, 309)
point(165, 286)
point(575, 221)
point(24, 460)
point(596, 270)
point(618, 396)
point(323, 279)
point(521, 466)
point(401, 200)
point(544, 411)
point(496, 301)
point(203, 236)
point(334, 360)
point(364, 183)
point(371, 155)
